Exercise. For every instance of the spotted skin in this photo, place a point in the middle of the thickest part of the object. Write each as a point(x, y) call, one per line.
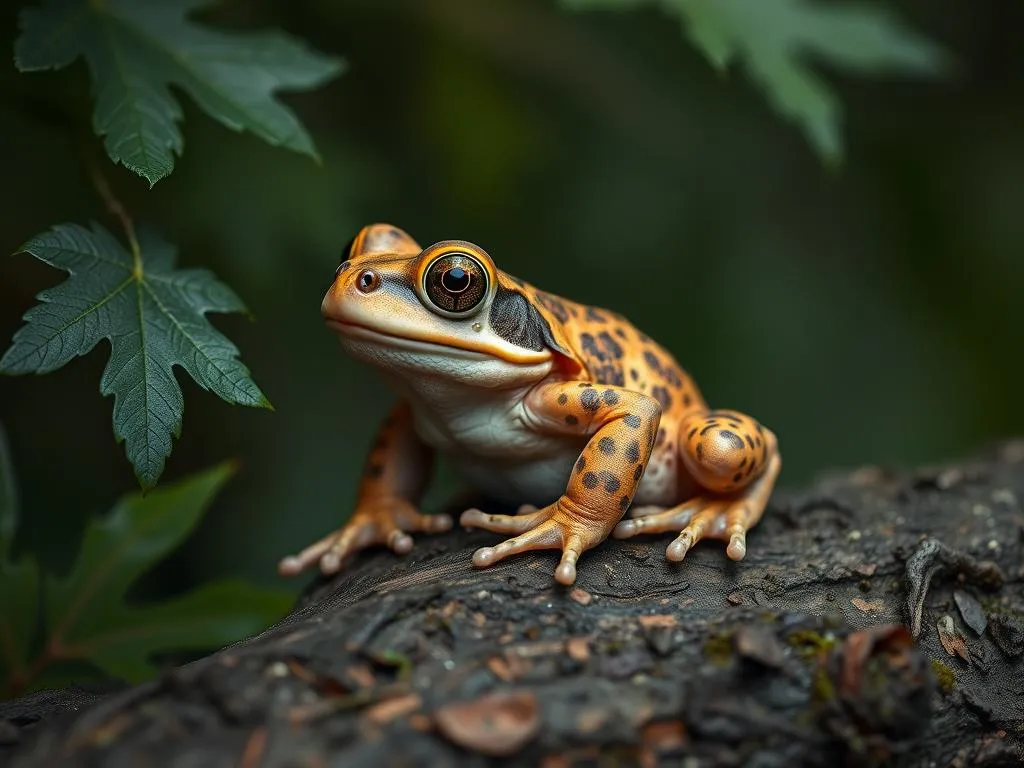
point(563, 408)
point(602, 483)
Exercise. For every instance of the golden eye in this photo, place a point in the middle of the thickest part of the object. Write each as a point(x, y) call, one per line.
point(456, 283)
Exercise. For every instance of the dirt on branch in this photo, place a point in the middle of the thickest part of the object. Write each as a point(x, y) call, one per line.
point(803, 654)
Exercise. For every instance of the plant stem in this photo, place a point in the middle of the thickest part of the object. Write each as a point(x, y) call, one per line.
point(115, 207)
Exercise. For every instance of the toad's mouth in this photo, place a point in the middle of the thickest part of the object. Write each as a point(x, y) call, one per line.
point(427, 345)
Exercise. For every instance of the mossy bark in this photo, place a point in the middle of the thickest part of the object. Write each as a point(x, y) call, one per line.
point(802, 654)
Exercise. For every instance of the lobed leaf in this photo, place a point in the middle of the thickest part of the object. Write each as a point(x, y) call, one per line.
point(775, 39)
point(137, 49)
point(154, 317)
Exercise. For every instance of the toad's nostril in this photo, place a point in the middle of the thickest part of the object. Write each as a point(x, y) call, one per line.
point(368, 281)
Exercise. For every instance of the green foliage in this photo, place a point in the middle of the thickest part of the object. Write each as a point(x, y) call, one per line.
point(19, 581)
point(154, 317)
point(87, 616)
point(137, 49)
point(774, 38)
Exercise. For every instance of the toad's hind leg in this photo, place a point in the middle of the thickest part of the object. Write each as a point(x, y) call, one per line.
point(734, 461)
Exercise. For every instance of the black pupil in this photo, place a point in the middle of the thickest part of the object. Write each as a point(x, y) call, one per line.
point(366, 279)
point(455, 280)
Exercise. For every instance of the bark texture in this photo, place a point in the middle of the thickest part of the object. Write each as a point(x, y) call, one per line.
point(877, 619)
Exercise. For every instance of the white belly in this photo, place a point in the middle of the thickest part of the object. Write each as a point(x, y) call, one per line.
point(490, 444)
point(538, 481)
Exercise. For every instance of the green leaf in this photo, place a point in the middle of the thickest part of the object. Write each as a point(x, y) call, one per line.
point(154, 317)
point(87, 612)
point(137, 49)
point(19, 582)
point(776, 38)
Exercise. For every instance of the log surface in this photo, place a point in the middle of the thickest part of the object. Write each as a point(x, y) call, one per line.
point(804, 653)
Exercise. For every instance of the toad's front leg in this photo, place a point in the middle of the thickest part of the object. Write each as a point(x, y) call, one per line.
point(394, 477)
point(623, 425)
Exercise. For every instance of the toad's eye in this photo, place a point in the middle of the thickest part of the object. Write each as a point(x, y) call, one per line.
point(456, 283)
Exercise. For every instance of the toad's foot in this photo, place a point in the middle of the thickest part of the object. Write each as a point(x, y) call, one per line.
point(562, 525)
point(381, 520)
point(727, 518)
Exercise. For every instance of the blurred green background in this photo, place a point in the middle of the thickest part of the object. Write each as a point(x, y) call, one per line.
point(867, 316)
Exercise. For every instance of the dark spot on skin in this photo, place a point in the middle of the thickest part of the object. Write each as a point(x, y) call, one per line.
point(700, 451)
point(662, 396)
point(374, 470)
point(571, 420)
point(737, 477)
point(662, 434)
point(585, 384)
point(610, 345)
point(581, 462)
point(687, 400)
point(602, 355)
point(740, 466)
point(590, 480)
point(633, 451)
point(606, 445)
point(595, 316)
point(750, 442)
point(611, 397)
point(758, 441)
point(623, 503)
point(637, 472)
point(517, 321)
point(553, 305)
point(633, 374)
point(590, 400)
point(706, 429)
point(563, 399)
point(692, 433)
point(620, 333)
point(760, 429)
point(611, 482)
point(632, 420)
point(652, 360)
point(733, 438)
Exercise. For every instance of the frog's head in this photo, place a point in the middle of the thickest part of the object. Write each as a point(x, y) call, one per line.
point(444, 311)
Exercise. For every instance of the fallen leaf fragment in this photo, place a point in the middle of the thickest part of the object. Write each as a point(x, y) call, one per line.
point(952, 640)
point(581, 596)
point(391, 709)
point(578, 648)
point(666, 620)
point(892, 642)
point(496, 724)
point(971, 611)
point(499, 668)
point(664, 735)
point(873, 606)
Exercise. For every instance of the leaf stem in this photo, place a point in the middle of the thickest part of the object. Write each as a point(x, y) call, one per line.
point(115, 207)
